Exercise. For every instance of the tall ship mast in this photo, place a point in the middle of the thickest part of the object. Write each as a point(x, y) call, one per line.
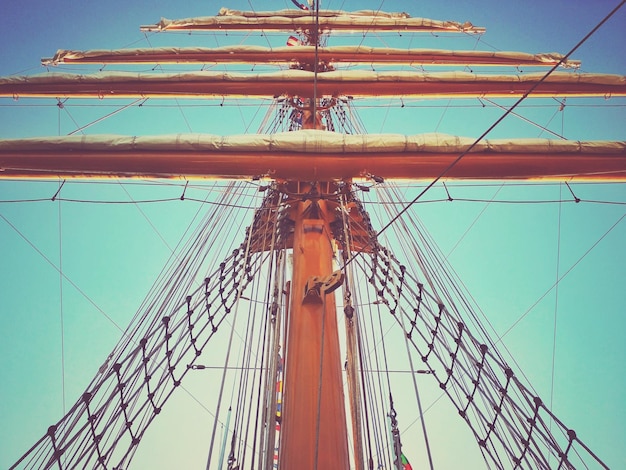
point(306, 313)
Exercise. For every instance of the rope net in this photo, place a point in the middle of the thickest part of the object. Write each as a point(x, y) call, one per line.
point(198, 297)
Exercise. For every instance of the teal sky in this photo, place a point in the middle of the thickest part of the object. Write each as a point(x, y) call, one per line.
point(508, 255)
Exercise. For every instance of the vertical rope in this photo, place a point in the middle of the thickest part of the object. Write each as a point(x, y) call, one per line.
point(225, 440)
point(61, 183)
point(230, 342)
point(417, 396)
point(61, 302)
point(556, 298)
point(350, 325)
point(315, 65)
point(62, 323)
point(319, 389)
point(365, 404)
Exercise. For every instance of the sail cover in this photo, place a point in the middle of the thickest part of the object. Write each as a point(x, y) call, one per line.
point(357, 83)
point(294, 20)
point(331, 54)
point(311, 154)
point(291, 13)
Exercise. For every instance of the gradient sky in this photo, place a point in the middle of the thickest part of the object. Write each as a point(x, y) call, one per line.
point(506, 254)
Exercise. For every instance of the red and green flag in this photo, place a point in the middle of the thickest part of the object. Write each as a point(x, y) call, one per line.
point(405, 463)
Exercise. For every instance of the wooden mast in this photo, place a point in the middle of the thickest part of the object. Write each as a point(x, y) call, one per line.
point(313, 429)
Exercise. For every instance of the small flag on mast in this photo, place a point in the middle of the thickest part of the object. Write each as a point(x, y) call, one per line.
point(293, 41)
point(405, 463)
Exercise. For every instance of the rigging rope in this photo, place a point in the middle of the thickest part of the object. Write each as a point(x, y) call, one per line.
point(556, 303)
point(62, 323)
point(433, 264)
point(529, 121)
point(230, 342)
point(80, 129)
point(419, 403)
point(469, 227)
point(610, 229)
point(56, 268)
point(449, 339)
point(266, 358)
point(508, 421)
point(116, 407)
point(499, 120)
point(320, 375)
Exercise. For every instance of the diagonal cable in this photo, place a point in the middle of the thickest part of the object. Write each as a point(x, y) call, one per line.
point(498, 121)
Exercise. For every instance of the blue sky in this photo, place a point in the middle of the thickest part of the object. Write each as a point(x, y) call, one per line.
point(506, 254)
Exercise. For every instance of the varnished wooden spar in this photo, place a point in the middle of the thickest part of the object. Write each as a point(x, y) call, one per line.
point(311, 155)
point(314, 428)
point(301, 83)
point(306, 54)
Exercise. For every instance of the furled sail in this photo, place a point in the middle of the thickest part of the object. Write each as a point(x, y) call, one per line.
point(356, 83)
point(311, 154)
point(293, 20)
point(331, 54)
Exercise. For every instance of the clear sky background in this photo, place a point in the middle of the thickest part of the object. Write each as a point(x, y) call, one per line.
point(506, 254)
